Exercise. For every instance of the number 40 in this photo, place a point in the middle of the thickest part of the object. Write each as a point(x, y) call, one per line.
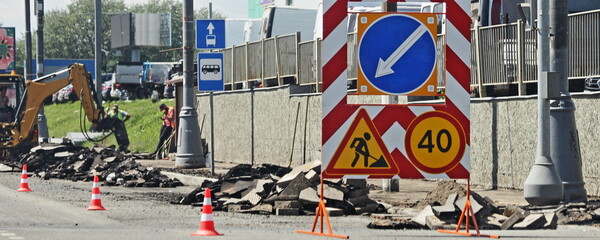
point(427, 141)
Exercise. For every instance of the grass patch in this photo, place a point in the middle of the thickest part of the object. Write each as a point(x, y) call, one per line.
point(143, 127)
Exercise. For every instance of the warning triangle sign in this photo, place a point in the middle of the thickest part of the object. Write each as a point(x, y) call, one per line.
point(362, 151)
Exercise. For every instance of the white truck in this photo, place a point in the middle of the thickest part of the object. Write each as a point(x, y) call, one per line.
point(241, 30)
point(137, 80)
point(287, 20)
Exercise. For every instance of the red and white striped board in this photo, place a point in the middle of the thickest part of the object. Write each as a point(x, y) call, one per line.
point(424, 141)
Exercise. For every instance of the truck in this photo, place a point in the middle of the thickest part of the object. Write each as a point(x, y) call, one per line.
point(138, 80)
point(252, 30)
point(493, 12)
point(355, 8)
point(288, 20)
point(125, 81)
point(240, 31)
point(21, 102)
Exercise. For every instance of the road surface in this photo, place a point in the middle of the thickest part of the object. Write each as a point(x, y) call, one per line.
point(57, 210)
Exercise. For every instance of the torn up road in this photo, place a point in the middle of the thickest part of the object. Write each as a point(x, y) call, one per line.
point(82, 164)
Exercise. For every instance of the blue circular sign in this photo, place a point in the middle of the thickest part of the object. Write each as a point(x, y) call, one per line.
point(397, 54)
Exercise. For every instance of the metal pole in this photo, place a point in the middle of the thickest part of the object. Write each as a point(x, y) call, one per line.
point(98, 51)
point(564, 139)
point(42, 124)
point(389, 6)
point(189, 148)
point(543, 186)
point(28, 53)
point(212, 134)
point(212, 117)
point(390, 185)
point(252, 125)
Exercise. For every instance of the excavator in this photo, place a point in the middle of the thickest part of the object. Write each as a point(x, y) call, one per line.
point(20, 102)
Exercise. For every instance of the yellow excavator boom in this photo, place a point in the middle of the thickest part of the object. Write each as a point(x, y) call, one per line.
point(38, 90)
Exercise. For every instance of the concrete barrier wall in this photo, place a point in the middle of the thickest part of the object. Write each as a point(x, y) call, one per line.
point(503, 132)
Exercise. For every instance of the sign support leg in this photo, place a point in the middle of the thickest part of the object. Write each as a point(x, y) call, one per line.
point(324, 217)
point(464, 215)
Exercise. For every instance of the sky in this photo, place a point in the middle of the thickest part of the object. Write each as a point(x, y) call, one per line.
point(16, 16)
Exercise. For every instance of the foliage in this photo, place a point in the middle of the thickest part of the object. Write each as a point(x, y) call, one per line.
point(69, 33)
point(143, 126)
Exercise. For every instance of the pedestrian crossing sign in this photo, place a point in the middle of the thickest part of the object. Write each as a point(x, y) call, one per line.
point(362, 151)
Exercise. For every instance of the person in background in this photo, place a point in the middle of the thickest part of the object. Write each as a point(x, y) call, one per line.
point(3, 98)
point(4, 108)
point(120, 117)
point(166, 129)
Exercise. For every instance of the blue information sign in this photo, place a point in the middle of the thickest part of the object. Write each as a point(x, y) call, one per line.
point(396, 53)
point(210, 34)
point(210, 72)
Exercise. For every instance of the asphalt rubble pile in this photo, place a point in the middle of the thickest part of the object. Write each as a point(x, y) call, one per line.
point(82, 164)
point(271, 189)
point(442, 207)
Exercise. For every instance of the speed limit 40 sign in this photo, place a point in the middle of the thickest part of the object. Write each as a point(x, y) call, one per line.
point(435, 142)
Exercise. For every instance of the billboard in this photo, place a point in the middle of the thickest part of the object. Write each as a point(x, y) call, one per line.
point(120, 30)
point(151, 29)
point(140, 29)
point(7, 49)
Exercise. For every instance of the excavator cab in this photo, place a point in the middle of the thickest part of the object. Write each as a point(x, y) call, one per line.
point(12, 88)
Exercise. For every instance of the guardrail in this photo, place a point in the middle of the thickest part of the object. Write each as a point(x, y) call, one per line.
point(273, 61)
point(500, 55)
point(507, 54)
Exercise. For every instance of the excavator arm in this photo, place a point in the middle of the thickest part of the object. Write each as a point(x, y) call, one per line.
point(38, 90)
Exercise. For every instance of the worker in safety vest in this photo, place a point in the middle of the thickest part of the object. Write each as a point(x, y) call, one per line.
point(120, 117)
point(167, 126)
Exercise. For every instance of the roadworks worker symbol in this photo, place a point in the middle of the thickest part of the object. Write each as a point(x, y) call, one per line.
point(362, 152)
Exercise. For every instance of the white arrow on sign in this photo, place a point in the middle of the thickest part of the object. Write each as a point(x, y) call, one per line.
point(210, 28)
point(385, 67)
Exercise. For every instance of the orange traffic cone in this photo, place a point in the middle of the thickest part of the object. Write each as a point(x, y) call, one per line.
point(96, 203)
point(207, 226)
point(24, 187)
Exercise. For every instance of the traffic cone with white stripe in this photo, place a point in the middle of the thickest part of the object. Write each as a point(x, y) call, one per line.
point(96, 203)
point(24, 187)
point(207, 225)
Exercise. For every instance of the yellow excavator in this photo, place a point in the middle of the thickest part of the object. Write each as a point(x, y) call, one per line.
point(20, 102)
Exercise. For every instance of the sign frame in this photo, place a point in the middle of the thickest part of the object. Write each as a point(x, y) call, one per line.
point(392, 121)
point(406, 63)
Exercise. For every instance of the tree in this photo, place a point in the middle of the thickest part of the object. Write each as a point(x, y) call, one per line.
point(69, 33)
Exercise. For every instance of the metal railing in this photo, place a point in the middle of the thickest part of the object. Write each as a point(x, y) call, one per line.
point(500, 55)
point(268, 61)
point(584, 44)
point(507, 54)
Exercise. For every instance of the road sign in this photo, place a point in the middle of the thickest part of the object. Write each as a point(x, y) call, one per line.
point(210, 34)
point(435, 142)
point(210, 72)
point(393, 122)
point(8, 58)
point(397, 54)
point(361, 151)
